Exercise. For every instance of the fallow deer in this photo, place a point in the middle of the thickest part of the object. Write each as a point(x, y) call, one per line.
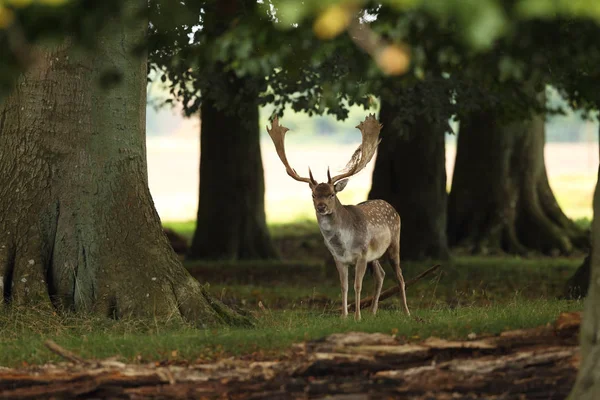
point(354, 234)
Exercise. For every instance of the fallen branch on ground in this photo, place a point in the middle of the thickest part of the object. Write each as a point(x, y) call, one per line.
point(64, 353)
point(364, 303)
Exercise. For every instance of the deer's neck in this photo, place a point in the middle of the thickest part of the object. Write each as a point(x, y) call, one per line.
point(332, 223)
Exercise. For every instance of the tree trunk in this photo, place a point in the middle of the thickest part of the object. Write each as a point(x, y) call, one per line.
point(501, 200)
point(79, 229)
point(578, 284)
point(410, 174)
point(587, 385)
point(231, 222)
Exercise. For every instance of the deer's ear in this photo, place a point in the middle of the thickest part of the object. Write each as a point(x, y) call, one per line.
point(339, 186)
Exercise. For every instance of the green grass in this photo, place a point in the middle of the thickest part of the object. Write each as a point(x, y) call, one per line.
point(469, 294)
point(22, 334)
point(584, 223)
point(462, 282)
point(185, 228)
point(481, 295)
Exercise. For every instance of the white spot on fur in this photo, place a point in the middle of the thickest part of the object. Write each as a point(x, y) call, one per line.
point(147, 294)
point(23, 280)
point(31, 262)
point(153, 278)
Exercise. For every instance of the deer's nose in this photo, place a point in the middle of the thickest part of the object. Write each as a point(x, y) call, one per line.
point(321, 207)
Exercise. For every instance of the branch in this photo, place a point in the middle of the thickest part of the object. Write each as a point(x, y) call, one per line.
point(64, 353)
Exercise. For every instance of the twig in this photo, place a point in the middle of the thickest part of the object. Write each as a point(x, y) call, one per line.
point(64, 353)
point(393, 290)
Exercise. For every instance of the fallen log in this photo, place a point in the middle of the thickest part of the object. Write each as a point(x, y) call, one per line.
point(368, 301)
point(538, 363)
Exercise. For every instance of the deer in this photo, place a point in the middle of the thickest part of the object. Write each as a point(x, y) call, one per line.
point(358, 234)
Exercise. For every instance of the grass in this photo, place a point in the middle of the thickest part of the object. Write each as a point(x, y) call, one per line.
point(471, 294)
point(462, 282)
point(480, 295)
point(22, 335)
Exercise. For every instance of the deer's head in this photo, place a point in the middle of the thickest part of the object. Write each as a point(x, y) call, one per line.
point(324, 194)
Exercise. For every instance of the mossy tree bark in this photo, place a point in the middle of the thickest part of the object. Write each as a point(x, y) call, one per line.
point(500, 199)
point(231, 222)
point(410, 174)
point(587, 385)
point(79, 228)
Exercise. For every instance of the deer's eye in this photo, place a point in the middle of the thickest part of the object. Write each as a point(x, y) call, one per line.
point(332, 196)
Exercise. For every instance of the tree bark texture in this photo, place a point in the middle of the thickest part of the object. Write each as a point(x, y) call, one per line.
point(410, 174)
point(79, 230)
point(231, 222)
point(578, 284)
point(500, 199)
point(587, 385)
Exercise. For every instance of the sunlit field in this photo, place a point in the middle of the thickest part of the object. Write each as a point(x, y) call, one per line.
point(173, 164)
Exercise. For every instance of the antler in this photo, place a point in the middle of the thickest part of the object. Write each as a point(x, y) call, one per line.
point(369, 129)
point(277, 133)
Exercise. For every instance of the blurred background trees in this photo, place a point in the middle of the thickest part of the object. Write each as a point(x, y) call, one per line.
point(480, 69)
point(485, 65)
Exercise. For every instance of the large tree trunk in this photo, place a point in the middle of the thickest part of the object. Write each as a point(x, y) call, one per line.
point(78, 227)
point(500, 199)
point(587, 385)
point(578, 284)
point(231, 222)
point(410, 173)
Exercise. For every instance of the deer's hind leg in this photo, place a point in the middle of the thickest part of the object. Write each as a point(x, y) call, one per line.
point(378, 276)
point(394, 255)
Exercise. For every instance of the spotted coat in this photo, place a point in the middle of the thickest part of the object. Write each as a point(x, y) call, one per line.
point(353, 230)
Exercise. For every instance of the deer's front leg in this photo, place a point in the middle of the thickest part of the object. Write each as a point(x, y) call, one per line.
point(359, 274)
point(343, 271)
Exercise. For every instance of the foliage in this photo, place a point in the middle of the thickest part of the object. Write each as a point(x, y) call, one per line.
point(464, 55)
point(488, 46)
point(25, 23)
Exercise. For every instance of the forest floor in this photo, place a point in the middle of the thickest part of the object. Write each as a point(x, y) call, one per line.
point(518, 364)
point(481, 327)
